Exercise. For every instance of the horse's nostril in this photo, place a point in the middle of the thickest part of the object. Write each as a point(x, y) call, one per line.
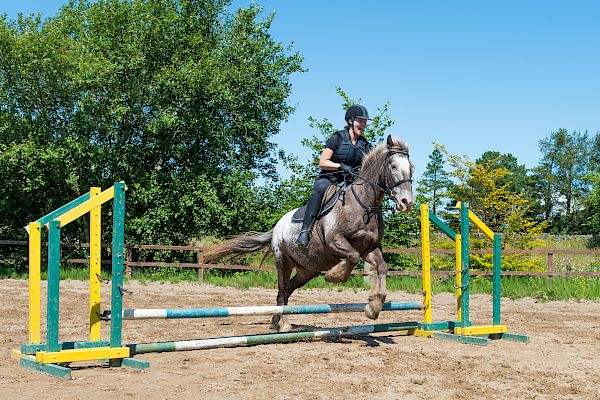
point(404, 201)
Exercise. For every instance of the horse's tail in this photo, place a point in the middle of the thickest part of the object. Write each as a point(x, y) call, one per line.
point(238, 245)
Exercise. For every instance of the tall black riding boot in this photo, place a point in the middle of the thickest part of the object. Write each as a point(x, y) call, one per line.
point(312, 209)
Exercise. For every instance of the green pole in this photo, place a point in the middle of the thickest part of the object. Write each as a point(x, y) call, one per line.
point(118, 248)
point(496, 289)
point(53, 286)
point(464, 233)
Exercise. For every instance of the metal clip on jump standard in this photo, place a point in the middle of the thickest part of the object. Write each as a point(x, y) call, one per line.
point(103, 280)
point(124, 291)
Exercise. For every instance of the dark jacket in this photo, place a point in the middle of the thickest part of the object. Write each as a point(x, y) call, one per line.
point(344, 152)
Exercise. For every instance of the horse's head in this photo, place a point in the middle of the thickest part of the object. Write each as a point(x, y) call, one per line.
point(398, 177)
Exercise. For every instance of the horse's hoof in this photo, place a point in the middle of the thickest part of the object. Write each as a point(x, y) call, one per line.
point(280, 324)
point(275, 322)
point(370, 312)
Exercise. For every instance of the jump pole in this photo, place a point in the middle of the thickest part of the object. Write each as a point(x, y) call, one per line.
point(216, 312)
point(252, 340)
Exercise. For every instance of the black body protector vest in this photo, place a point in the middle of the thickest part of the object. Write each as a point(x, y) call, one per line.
point(348, 154)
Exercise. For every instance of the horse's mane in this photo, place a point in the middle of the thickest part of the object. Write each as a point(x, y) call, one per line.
point(371, 165)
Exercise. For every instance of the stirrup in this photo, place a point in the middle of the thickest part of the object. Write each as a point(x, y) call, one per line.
point(303, 238)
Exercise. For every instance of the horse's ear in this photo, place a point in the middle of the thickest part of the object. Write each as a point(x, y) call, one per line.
point(390, 142)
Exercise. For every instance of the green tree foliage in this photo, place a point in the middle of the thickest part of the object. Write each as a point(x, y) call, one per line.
point(178, 98)
point(560, 175)
point(592, 204)
point(594, 165)
point(517, 179)
point(487, 189)
point(434, 186)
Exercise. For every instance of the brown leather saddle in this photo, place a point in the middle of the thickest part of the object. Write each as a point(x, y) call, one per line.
point(333, 194)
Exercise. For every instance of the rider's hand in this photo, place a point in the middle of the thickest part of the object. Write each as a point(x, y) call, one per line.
point(346, 169)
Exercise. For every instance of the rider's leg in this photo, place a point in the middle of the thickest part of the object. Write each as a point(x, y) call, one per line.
point(312, 209)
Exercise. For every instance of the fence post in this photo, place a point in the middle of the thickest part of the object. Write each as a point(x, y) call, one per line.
point(130, 259)
point(200, 269)
point(550, 267)
point(367, 269)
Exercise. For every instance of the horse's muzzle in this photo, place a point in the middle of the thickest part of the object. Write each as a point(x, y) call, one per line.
point(404, 203)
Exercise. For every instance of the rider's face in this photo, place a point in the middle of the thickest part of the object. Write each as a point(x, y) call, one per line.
point(359, 124)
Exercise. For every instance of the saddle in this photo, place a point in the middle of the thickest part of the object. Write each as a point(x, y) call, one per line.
point(330, 198)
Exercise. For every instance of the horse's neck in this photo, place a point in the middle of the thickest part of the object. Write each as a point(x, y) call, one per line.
point(368, 193)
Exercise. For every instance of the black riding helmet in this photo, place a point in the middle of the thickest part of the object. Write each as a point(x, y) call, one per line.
point(356, 111)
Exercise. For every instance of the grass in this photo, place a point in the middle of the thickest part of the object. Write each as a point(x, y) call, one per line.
point(514, 287)
point(567, 243)
point(578, 262)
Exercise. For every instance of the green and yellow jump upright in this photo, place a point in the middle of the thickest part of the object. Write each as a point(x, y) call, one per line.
point(461, 330)
point(46, 356)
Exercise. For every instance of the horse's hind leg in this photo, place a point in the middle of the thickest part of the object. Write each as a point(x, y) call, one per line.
point(300, 278)
point(281, 323)
point(284, 271)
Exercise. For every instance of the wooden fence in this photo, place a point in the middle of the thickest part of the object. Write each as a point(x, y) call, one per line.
point(132, 251)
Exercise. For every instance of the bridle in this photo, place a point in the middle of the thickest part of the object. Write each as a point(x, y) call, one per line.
point(387, 188)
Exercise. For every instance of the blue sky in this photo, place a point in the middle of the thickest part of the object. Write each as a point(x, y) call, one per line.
point(472, 75)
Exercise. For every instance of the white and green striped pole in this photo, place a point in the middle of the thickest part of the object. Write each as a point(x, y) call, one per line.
point(252, 340)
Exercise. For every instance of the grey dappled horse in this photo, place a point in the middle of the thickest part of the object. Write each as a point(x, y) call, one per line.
point(352, 230)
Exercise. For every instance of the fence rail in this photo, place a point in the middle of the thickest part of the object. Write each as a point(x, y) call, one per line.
point(201, 267)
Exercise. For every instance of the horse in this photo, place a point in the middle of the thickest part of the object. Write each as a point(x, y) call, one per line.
point(350, 231)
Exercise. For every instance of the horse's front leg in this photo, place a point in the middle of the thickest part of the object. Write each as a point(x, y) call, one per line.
point(349, 258)
point(378, 289)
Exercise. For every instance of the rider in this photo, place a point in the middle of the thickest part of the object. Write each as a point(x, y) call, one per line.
point(343, 153)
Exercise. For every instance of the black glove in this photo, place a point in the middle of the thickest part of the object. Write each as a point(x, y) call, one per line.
point(346, 169)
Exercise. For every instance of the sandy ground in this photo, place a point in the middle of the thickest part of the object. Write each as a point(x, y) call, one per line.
point(561, 361)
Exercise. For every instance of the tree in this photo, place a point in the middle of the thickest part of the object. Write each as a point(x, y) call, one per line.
point(487, 189)
point(520, 180)
point(435, 183)
point(517, 179)
point(594, 165)
point(592, 203)
point(178, 98)
point(564, 163)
